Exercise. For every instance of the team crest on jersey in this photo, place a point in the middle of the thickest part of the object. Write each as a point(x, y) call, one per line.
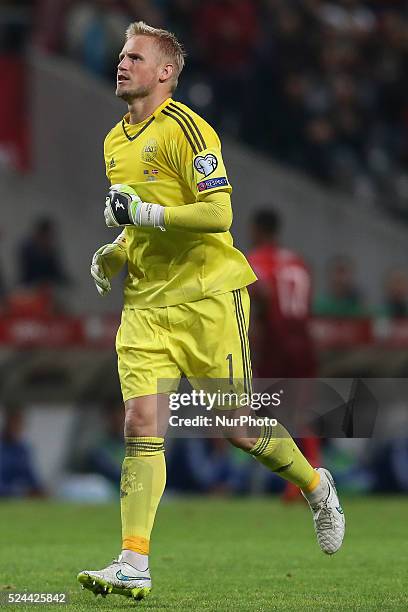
point(205, 165)
point(149, 151)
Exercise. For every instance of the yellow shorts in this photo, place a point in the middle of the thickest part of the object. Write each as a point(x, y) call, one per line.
point(204, 340)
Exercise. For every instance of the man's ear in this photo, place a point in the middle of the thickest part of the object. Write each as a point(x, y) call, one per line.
point(166, 72)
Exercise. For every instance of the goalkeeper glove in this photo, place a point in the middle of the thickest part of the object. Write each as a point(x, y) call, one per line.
point(124, 207)
point(106, 262)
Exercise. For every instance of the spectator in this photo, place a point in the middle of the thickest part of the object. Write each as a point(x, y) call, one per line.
point(148, 11)
point(348, 17)
point(390, 466)
point(287, 137)
point(179, 17)
point(343, 297)
point(39, 257)
point(226, 36)
point(396, 294)
point(208, 466)
point(320, 148)
point(49, 24)
point(14, 117)
point(94, 34)
point(18, 477)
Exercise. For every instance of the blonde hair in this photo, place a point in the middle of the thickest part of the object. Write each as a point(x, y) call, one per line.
point(167, 43)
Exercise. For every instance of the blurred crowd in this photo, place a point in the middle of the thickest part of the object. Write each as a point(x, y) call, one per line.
point(40, 274)
point(281, 347)
point(317, 84)
point(18, 473)
point(91, 467)
point(42, 278)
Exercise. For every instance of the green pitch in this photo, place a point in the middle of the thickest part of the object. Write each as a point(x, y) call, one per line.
point(254, 555)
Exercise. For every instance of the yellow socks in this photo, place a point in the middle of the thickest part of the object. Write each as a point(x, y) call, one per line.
point(141, 487)
point(144, 478)
point(313, 484)
point(277, 451)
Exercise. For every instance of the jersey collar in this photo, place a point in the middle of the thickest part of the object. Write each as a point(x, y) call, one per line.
point(162, 105)
point(132, 131)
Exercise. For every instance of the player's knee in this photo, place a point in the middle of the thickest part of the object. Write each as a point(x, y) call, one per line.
point(139, 420)
point(137, 423)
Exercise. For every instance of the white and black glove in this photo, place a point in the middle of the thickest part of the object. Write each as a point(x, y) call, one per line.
point(124, 207)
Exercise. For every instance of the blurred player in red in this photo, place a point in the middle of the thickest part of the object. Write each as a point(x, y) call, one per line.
point(281, 343)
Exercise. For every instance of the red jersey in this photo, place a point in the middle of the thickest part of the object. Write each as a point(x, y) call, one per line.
point(282, 299)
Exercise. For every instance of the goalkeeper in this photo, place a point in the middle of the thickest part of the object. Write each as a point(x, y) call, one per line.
point(186, 306)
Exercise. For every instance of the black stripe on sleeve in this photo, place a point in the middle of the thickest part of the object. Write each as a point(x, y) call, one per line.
point(192, 123)
point(186, 134)
point(177, 112)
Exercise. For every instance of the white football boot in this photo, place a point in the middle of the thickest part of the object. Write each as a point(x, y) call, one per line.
point(119, 578)
point(328, 515)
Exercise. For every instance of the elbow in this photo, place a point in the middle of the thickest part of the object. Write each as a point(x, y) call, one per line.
point(223, 228)
point(219, 228)
point(219, 213)
point(224, 223)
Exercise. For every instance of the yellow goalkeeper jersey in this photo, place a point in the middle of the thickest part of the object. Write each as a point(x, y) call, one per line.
point(173, 158)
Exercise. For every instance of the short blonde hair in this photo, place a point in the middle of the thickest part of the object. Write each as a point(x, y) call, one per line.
point(167, 43)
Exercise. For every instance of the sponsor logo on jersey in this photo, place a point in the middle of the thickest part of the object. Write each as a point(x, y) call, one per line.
point(149, 151)
point(205, 165)
point(155, 171)
point(145, 172)
point(112, 163)
point(211, 183)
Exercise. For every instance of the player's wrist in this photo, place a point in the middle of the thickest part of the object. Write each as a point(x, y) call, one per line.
point(147, 214)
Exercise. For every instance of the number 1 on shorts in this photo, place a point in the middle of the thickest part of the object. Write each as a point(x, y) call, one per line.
point(231, 370)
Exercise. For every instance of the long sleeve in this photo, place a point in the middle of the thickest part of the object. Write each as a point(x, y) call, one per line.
point(204, 175)
point(212, 214)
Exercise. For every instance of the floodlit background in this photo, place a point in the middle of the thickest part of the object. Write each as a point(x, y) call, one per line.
point(311, 102)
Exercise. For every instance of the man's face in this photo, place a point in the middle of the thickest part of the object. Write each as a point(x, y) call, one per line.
point(138, 69)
